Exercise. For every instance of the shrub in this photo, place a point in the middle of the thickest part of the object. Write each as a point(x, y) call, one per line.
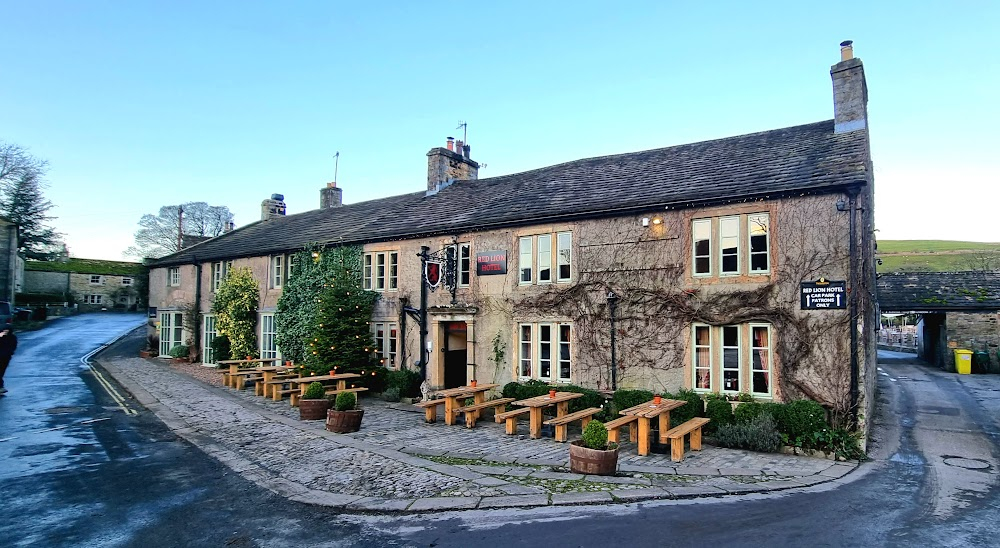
point(314, 391)
point(802, 419)
point(591, 398)
point(695, 407)
point(759, 434)
point(595, 436)
point(179, 351)
point(744, 397)
point(391, 394)
point(528, 389)
point(623, 399)
point(751, 410)
point(719, 412)
point(406, 380)
point(220, 348)
point(843, 443)
point(346, 401)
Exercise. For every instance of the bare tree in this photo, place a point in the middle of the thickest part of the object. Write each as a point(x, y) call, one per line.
point(158, 234)
point(983, 260)
point(22, 202)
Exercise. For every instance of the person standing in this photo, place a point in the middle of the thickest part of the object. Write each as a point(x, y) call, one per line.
point(8, 344)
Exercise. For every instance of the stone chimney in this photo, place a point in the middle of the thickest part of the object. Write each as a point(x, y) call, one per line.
point(446, 165)
point(331, 196)
point(850, 92)
point(230, 226)
point(272, 207)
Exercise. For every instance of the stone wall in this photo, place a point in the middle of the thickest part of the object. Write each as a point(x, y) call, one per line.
point(37, 281)
point(974, 331)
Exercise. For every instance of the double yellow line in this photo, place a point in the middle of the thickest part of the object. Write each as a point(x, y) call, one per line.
point(119, 399)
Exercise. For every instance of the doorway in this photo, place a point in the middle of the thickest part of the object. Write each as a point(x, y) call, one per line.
point(455, 356)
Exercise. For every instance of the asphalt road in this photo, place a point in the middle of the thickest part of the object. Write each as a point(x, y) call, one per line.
point(77, 469)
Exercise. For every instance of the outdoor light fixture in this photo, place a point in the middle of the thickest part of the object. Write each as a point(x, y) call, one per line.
point(655, 221)
point(841, 205)
point(645, 221)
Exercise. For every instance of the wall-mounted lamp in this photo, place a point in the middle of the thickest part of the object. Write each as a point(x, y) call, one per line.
point(655, 221)
point(841, 205)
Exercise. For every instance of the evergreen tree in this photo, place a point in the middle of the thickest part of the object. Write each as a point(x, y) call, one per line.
point(341, 336)
point(23, 203)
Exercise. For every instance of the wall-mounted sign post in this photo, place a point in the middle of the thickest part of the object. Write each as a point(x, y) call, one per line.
point(823, 295)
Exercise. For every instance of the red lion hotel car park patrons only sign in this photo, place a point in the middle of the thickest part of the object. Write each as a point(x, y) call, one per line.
point(823, 295)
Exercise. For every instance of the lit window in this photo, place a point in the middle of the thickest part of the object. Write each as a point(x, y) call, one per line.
point(702, 357)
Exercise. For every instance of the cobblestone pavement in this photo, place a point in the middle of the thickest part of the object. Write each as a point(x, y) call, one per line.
point(397, 462)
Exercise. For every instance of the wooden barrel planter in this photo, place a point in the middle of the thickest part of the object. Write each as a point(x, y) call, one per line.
point(592, 461)
point(343, 422)
point(313, 410)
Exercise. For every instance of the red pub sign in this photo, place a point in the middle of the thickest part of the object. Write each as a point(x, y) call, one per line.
point(491, 262)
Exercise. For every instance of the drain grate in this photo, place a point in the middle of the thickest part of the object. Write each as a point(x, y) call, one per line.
point(967, 463)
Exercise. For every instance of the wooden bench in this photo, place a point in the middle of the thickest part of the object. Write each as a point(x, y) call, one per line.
point(277, 393)
point(562, 423)
point(471, 410)
point(511, 418)
point(264, 389)
point(297, 395)
point(615, 425)
point(676, 437)
point(430, 409)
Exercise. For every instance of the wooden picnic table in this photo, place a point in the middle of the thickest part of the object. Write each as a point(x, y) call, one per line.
point(645, 412)
point(452, 395)
point(341, 379)
point(234, 367)
point(538, 403)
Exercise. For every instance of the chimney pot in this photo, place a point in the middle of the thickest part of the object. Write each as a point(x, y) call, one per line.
point(451, 144)
point(846, 50)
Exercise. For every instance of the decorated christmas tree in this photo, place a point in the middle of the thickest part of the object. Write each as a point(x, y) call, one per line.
point(340, 338)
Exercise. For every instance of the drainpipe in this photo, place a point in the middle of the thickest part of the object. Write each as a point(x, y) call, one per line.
point(196, 328)
point(852, 194)
point(612, 306)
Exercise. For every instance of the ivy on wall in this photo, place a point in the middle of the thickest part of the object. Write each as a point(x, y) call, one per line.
point(235, 309)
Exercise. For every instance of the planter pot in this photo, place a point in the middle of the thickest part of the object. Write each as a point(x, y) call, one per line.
point(343, 422)
point(592, 461)
point(179, 360)
point(145, 354)
point(313, 410)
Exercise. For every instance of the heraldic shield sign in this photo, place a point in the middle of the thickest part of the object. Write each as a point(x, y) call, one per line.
point(432, 274)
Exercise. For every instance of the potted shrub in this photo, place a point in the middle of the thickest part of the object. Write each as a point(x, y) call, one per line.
point(179, 353)
point(345, 416)
point(152, 348)
point(593, 454)
point(313, 405)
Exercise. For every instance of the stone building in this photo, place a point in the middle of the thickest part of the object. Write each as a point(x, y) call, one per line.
point(724, 266)
point(12, 271)
point(94, 284)
point(958, 310)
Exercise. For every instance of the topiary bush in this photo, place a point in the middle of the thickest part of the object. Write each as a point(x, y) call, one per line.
point(719, 412)
point(179, 351)
point(391, 394)
point(759, 434)
point(623, 399)
point(695, 407)
point(314, 391)
point(802, 419)
point(346, 401)
point(595, 436)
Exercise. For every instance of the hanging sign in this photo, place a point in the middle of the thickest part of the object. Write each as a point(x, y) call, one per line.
point(432, 274)
point(823, 295)
point(491, 262)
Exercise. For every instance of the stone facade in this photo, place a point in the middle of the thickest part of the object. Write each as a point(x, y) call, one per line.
point(12, 265)
point(976, 331)
point(94, 285)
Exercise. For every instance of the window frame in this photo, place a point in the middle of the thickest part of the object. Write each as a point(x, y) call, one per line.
point(552, 347)
point(767, 243)
point(722, 359)
point(694, 248)
point(169, 329)
point(93, 298)
point(559, 257)
point(173, 276)
point(734, 220)
point(367, 272)
point(268, 346)
point(127, 280)
point(521, 347)
point(569, 352)
point(525, 266)
point(386, 346)
point(695, 368)
point(380, 271)
point(277, 271)
point(769, 371)
point(545, 265)
point(392, 271)
point(291, 265)
point(209, 332)
point(464, 264)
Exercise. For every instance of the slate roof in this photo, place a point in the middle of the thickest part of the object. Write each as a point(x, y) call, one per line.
point(938, 291)
point(86, 266)
point(801, 159)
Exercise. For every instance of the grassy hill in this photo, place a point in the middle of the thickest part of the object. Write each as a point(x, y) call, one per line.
point(935, 255)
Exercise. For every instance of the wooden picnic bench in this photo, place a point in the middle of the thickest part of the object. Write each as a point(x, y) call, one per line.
point(472, 411)
point(676, 437)
point(510, 417)
point(264, 386)
point(430, 408)
point(615, 425)
point(562, 423)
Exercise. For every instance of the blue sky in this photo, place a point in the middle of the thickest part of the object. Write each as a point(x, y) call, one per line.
point(141, 104)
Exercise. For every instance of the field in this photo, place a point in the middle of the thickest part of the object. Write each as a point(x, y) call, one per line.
point(936, 255)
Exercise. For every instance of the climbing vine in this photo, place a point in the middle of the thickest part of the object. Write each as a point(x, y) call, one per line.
point(235, 309)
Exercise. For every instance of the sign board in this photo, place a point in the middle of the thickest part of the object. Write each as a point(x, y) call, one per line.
point(823, 295)
point(491, 262)
point(151, 312)
point(432, 273)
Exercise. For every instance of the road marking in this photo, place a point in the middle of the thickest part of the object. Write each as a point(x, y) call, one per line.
point(8, 439)
point(119, 399)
